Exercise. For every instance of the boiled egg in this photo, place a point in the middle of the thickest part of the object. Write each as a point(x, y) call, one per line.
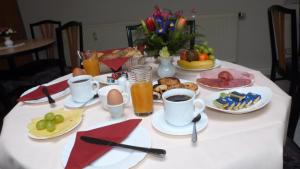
point(114, 97)
point(78, 71)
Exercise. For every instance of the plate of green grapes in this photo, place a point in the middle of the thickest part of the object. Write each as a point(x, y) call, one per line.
point(55, 123)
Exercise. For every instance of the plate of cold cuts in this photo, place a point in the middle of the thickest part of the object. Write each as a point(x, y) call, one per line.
point(225, 78)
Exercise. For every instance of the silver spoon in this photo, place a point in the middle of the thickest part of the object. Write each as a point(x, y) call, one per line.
point(85, 103)
point(195, 120)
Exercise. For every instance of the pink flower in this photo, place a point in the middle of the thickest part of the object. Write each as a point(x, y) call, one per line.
point(181, 22)
point(150, 24)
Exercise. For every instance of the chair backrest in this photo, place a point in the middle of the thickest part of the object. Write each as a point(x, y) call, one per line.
point(45, 29)
point(294, 113)
point(190, 28)
point(277, 16)
point(73, 32)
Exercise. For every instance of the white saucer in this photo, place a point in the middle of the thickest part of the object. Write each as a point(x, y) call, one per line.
point(69, 103)
point(163, 126)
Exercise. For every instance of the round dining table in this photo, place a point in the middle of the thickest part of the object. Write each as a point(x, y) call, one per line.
point(229, 141)
point(24, 47)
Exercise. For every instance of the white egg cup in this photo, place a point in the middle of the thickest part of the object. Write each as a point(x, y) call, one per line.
point(102, 92)
point(116, 111)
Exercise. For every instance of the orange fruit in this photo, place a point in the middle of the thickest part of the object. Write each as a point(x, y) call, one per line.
point(78, 71)
point(202, 56)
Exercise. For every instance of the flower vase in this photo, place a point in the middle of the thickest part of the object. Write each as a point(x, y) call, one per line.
point(166, 68)
point(8, 42)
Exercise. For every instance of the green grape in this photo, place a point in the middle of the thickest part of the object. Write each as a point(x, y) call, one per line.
point(211, 57)
point(58, 119)
point(50, 126)
point(206, 50)
point(211, 50)
point(49, 116)
point(40, 125)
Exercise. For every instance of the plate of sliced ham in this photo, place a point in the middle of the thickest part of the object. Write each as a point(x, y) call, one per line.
point(225, 78)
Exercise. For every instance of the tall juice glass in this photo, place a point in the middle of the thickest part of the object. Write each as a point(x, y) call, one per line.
point(140, 77)
point(92, 66)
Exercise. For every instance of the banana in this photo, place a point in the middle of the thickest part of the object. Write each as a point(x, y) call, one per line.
point(206, 64)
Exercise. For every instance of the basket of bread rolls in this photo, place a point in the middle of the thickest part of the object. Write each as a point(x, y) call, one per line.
point(135, 56)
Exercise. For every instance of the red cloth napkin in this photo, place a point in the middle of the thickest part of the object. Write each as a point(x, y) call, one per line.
point(116, 63)
point(38, 93)
point(84, 153)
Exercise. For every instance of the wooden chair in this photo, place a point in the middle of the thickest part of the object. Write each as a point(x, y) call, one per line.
point(74, 40)
point(286, 67)
point(44, 29)
point(291, 151)
point(130, 28)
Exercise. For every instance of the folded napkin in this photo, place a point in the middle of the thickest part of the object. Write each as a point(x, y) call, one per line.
point(38, 93)
point(84, 153)
point(116, 63)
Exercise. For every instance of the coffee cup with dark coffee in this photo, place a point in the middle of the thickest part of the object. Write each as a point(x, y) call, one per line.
point(83, 88)
point(181, 106)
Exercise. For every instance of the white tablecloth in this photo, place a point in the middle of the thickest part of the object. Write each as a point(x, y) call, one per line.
point(248, 141)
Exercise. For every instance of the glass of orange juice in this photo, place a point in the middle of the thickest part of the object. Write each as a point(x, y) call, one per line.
point(140, 77)
point(92, 65)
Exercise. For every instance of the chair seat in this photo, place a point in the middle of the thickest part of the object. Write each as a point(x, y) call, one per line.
point(289, 72)
point(291, 155)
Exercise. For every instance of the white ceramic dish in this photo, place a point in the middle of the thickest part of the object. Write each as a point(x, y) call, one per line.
point(160, 124)
point(44, 99)
point(265, 92)
point(226, 88)
point(69, 103)
point(181, 81)
point(217, 64)
point(103, 79)
point(237, 74)
point(117, 157)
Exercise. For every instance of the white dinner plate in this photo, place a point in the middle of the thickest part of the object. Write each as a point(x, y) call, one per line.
point(159, 123)
point(103, 79)
point(181, 81)
point(217, 64)
point(116, 157)
point(225, 88)
point(45, 99)
point(265, 92)
point(237, 74)
point(69, 103)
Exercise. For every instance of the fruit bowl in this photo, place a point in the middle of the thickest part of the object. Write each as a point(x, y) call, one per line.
point(199, 58)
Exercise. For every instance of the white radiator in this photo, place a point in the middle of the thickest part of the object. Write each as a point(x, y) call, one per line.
point(106, 36)
point(221, 32)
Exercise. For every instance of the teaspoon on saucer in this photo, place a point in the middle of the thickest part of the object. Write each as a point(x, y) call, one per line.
point(194, 134)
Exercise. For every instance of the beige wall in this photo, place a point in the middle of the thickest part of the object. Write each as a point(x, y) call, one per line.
point(253, 35)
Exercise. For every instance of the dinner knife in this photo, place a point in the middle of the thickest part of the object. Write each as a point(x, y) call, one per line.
point(92, 140)
point(46, 92)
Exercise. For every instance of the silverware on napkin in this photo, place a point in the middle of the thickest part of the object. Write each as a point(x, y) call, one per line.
point(91, 140)
point(46, 92)
point(194, 134)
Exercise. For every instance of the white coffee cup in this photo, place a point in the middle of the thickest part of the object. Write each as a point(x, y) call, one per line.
point(103, 91)
point(181, 113)
point(83, 88)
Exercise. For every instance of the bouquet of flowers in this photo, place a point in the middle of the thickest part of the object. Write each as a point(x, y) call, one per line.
point(164, 29)
point(4, 31)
